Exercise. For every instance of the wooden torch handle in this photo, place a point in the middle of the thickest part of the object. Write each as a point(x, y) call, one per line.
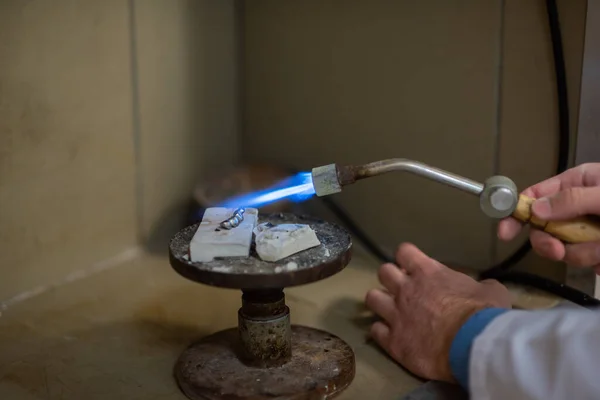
point(577, 230)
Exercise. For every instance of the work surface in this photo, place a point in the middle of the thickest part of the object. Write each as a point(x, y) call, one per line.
point(116, 334)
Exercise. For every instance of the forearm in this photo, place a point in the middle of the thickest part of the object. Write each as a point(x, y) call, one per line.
point(553, 354)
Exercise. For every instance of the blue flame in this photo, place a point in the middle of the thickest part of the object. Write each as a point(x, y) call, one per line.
point(296, 188)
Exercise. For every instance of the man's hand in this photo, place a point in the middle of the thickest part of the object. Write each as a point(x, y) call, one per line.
point(573, 193)
point(422, 307)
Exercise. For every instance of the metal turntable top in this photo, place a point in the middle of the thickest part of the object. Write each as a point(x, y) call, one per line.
point(253, 273)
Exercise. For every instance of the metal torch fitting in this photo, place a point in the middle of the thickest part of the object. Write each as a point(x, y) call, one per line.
point(325, 180)
point(498, 196)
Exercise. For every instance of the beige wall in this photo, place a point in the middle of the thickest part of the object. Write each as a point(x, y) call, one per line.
point(98, 143)
point(187, 61)
point(529, 112)
point(111, 111)
point(467, 86)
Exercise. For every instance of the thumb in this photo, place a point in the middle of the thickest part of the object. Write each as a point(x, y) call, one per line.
point(569, 203)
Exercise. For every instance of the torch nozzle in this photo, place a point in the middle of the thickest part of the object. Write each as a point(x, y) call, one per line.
point(330, 179)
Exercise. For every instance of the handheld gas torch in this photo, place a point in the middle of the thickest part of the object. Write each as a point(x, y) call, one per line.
point(498, 195)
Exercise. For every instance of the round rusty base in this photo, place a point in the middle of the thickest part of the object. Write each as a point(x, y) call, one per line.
point(321, 367)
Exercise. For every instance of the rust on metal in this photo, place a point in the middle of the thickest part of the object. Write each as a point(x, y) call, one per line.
point(263, 303)
point(369, 170)
point(346, 174)
point(264, 327)
point(251, 272)
point(349, 174)
point(266, 357)
point(321, 367)
point(265, 343)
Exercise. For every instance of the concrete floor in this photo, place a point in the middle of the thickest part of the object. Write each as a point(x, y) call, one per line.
point(116, 334)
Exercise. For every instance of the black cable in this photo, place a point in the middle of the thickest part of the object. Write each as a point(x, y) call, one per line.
point(356, 231)
point(501, 271)
point(561, 85)
point(563, 124)
point(549, 286)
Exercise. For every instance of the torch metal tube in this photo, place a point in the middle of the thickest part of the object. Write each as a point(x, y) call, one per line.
point(420, 169)
point(330, 178)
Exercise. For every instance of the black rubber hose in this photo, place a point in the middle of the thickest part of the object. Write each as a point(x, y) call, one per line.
point(356, 231)
point(549, 286)
point(561, 85)
point(563, 123)
point(501, 271)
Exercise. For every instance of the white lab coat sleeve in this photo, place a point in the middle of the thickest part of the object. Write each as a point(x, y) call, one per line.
point(549, 354)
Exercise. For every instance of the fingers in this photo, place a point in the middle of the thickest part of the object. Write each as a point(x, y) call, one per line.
point(582, 255)
point(590, 174)
point(547, 246)
point(508, 229)
point(577, 255)
point(585, 175)
point(380, 332)
point(569, 203)
point(548, 187)
point(582, 175)
point(382, 304)
point(411, 258)
point(392, 278)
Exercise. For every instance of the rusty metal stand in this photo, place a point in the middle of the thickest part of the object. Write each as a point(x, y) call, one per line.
point(265, 329)
point(266, 357)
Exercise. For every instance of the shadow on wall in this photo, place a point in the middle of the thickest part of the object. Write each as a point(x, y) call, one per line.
point(188, 121)
point(171, 222)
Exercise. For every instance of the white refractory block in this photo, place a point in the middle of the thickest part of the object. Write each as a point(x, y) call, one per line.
point(211, 241)
point(262, 227)
point(282, 241)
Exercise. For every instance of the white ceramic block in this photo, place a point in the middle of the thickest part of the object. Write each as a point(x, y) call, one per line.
point(282, 241)
point(262, 227)
point(211, 241)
